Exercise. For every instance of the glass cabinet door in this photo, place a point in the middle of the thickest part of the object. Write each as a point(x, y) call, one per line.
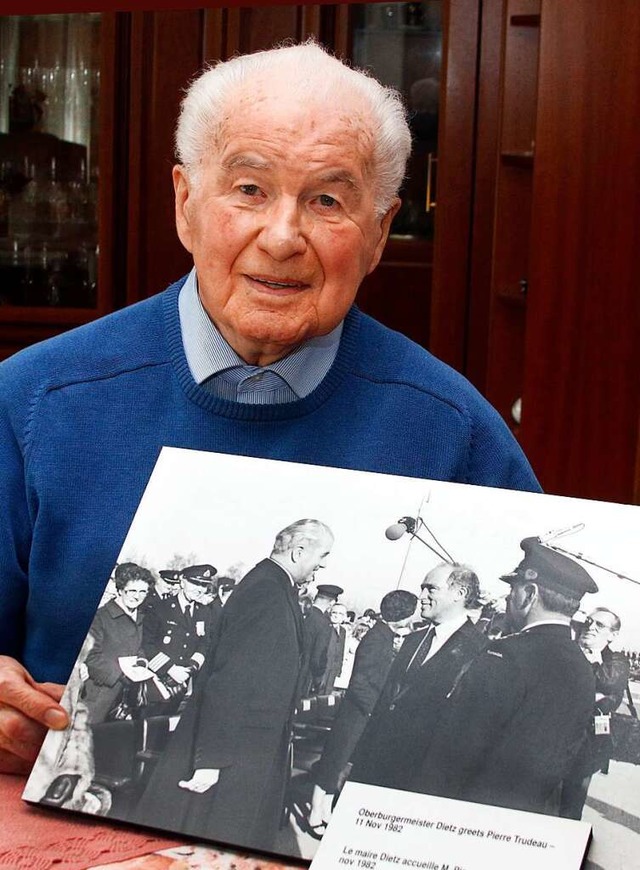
point(401, 44)
point(49, 93)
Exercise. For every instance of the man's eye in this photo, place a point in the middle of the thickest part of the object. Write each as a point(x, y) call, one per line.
point(327, 201)
point(250, 189)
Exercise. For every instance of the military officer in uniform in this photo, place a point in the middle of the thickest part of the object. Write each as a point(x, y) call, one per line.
point(516, 719)
point(166, 585)
point(176, 636)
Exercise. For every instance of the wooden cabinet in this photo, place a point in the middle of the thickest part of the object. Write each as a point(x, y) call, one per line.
point(529, 283)
point(499, 279)
point(556, 206)
point(56, 151)
point(581, 396)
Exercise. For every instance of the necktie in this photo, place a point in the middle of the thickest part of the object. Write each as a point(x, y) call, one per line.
point(420, 655)
point(417, 660)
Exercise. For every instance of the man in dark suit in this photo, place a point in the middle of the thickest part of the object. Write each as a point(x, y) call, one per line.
point(421, 676)
point(317, 637)
point(225, 770)
point(373, 659)
point(611, 673)
point(518, 716)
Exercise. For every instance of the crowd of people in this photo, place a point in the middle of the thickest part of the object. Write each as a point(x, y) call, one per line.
point(430, 695)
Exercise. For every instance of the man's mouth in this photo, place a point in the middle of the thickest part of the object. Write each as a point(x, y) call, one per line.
point(283, 285)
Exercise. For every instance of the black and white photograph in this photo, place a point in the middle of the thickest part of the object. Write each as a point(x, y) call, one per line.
point(272, 630)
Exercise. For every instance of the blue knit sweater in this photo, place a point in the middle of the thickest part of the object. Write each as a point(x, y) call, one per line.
point(83, 417)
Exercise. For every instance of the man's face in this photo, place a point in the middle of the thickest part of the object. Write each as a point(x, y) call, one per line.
point(516, 607)
point(597, 631)
point(309, 558)
point(194, 591)
point(280, 220)
point(438, 599)
point(163, 587)
point(337, 614)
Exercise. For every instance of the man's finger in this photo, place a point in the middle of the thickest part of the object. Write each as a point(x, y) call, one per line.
point(53, 690)
point(36, 704)
point(15, 727)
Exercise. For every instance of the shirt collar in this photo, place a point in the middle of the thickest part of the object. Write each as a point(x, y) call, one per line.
point(546, 622)
point(208, 353)
point(182, 601)
point(444, 630)
point(592, 656)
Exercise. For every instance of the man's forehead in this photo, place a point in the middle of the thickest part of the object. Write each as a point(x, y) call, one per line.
point(602, 617)
point(436, 577)
point(275, 114)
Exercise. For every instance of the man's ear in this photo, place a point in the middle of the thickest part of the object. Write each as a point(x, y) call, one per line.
point(295, 554)
point(530, 594)
point(385, 227)
point(182, 190)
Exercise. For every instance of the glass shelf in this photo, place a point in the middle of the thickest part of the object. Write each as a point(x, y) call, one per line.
point(49, 173)
point(401, 44)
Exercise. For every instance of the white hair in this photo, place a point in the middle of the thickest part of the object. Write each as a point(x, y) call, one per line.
point(302, 533)
point(312, 70)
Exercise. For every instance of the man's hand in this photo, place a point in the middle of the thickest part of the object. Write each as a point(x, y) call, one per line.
point(27, 709)
point(202, 780)
point(179, 673)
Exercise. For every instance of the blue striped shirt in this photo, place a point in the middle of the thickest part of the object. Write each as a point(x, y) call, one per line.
point(215, 365)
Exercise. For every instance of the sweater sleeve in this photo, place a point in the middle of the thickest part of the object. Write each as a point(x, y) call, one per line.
point(15, 518)
point(495, 458)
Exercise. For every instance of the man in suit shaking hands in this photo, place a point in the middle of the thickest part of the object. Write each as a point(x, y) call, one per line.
point(423, 673)
point(225, 770)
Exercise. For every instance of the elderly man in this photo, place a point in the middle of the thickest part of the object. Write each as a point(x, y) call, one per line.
point(424, 671)
point(611, 673)
point(518, 716)
point(224, 774)
point(285, 207)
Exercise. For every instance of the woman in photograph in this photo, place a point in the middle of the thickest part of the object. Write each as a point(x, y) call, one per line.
point(116, 632)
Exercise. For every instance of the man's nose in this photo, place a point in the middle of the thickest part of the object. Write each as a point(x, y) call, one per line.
point(283, 233)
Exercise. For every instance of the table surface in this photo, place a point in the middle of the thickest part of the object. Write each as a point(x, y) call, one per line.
point(39, 838)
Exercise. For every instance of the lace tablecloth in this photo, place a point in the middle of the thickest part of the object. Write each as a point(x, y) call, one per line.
point(36, 838)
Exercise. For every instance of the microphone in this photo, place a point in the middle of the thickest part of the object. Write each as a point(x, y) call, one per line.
point(561, 533)
point(397, 530)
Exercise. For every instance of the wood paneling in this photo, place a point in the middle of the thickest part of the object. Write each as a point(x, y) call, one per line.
point(582, 375)
point(484, 193)
point(449, 302)
point(398, 292)
point(502, 208)
point(166, 51)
